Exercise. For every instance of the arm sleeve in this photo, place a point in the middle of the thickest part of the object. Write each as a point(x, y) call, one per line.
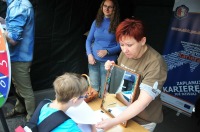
point(16, 22)
point(90, 38)
point(154, 78)
point(115, 49)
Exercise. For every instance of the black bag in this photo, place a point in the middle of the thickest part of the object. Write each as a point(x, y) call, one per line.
point(48, 124)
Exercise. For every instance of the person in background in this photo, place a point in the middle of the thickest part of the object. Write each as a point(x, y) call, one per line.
point(101, 43)
point(70, 91)
point(20, 37)
point(141, 58)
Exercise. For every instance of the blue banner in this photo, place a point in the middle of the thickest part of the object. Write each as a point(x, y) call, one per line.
point(182, 55)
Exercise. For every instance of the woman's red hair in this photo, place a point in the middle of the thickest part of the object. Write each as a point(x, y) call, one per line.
point(130, 27)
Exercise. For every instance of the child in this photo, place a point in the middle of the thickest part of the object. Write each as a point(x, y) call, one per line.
point(70, 90)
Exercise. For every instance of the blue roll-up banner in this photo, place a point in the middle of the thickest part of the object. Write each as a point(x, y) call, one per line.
point(182, 55)
point(5, 70)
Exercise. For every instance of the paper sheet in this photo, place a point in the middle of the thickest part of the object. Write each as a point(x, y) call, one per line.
point(83, 114)
point(115, 111)
point(85, 127)
point(100, 115)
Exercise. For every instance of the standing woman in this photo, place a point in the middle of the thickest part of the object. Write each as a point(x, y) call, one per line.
point(101, 43)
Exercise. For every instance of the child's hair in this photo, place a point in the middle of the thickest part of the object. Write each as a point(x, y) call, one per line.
point(69, 85)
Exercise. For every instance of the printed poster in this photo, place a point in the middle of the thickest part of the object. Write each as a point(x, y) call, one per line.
point(182, 55)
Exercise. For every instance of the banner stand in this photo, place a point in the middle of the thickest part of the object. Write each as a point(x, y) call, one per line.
point(182, 55)
point(178, 111)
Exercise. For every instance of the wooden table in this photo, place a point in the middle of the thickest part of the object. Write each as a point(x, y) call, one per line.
point(131, 127)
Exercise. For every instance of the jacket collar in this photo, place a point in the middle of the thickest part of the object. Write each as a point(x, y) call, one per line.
point(9, 2)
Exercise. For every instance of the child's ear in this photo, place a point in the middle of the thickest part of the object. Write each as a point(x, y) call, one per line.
point(74, 99)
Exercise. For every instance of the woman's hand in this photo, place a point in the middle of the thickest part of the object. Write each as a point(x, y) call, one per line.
point(91, 59)
point(106, 124)
point(108, 64)
point(102, 53)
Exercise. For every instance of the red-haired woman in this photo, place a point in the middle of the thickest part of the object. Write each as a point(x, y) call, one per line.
point(139, 57)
